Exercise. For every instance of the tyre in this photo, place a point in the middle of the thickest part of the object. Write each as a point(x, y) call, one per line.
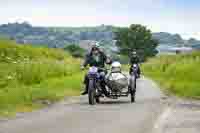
point(132, 97)
point(97, 99)
point(135, 78)
point(133, 88)
point(91, 93)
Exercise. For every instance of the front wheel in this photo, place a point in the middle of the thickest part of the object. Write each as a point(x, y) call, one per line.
point(132, 97)
point(132, 88)
point(91, 92)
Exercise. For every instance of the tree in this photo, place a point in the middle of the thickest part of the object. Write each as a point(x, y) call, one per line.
point(136, 37)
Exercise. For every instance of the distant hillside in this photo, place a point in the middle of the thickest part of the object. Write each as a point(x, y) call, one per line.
point(197, 46)
point(169, 41)
point(167, 38)
point(58, 37)
point(194, 43)
point(54, 37)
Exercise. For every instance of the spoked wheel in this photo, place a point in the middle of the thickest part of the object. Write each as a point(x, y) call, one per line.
point(133, 88)
point(91, 93)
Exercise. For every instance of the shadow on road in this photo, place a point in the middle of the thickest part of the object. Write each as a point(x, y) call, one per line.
point(108, 102)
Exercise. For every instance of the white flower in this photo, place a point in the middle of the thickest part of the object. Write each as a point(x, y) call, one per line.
point(8, 58)
point(9, 77)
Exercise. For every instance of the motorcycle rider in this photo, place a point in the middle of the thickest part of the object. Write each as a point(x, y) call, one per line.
point(135, 60)
point(97, 58)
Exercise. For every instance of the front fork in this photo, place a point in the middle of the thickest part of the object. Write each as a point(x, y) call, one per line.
point(95, 83)
point(99, 85)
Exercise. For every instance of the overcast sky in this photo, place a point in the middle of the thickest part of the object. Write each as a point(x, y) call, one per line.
point(174, 16)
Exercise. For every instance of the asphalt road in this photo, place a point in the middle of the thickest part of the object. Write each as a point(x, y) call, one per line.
point(111, 116)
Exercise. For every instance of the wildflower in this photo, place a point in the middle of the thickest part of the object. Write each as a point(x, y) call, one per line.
point(8, 58)
point(9, 77)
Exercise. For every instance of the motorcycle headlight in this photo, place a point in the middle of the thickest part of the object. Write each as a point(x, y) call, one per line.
point(135, 66)
point(93, 70)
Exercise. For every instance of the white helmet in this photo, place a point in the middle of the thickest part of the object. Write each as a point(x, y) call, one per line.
point(116, 67)
point(116, 64)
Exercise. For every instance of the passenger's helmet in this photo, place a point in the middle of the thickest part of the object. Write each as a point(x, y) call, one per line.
point(116, 67)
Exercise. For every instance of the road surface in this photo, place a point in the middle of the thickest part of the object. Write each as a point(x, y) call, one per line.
point(111, 116)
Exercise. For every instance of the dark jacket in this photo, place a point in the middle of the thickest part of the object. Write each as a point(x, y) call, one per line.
point(134, 60)
point(91, 61)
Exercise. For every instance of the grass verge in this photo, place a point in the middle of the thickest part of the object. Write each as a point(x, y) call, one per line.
point(176, 74)
point(31, 77)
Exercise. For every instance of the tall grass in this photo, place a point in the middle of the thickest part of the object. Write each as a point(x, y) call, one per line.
point(29, 76)
point(177, 74)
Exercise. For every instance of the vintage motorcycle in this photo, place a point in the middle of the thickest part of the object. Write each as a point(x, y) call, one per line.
point(113, 84)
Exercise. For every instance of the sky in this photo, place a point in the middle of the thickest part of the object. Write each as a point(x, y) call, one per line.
point(174, 16)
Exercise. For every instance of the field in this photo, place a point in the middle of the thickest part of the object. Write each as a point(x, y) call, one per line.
point(31, 77)
point(176, 74)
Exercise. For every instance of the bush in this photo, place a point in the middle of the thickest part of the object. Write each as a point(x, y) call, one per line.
point(75, 50)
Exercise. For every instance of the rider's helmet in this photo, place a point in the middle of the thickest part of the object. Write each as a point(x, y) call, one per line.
point(95, 47)
point(134, 53)
point(116, 67)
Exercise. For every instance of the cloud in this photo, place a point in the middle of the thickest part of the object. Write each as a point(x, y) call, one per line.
point(159, 15)
point(191, 35)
